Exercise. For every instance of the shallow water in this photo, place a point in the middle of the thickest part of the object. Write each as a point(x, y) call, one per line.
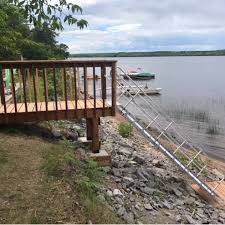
point(193, 95)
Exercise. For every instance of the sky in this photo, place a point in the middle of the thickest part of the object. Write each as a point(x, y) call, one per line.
point(147, 25)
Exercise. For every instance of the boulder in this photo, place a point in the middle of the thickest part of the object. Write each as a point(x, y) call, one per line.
point(56, 133)
point(139, 159)
point(121, 211)
point(129, 217)
point(148, 207)
point(117, 192)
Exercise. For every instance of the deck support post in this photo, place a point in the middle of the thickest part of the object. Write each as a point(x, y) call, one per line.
point(93, 133)
point(89, 128)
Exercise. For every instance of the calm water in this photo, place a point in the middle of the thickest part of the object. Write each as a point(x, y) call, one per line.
point(193, 95)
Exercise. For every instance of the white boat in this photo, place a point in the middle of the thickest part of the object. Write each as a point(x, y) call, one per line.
point(142, 91)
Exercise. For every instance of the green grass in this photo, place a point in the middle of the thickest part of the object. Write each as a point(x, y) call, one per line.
point(85, 177)
point(3, 157)
point(125, 129)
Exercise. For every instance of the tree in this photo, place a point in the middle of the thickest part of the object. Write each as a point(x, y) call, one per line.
point(12, 30)
point(38, 12)
point(18, 37)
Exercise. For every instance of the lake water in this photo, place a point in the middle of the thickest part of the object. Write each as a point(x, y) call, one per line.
point(193, 95)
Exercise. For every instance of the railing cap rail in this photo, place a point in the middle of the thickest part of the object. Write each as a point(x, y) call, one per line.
point(57, 63)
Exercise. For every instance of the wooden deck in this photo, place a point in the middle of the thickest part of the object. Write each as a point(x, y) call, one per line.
point(59, 90)
point(51, 106)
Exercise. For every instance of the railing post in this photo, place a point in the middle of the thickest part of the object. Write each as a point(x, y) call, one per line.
point(2, 90)
point(114, 88)
point(103, 86)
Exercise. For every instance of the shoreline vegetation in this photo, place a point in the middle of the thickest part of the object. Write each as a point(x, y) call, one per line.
point(152, 54)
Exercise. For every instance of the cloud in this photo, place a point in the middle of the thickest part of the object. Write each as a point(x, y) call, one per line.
point(129, 25)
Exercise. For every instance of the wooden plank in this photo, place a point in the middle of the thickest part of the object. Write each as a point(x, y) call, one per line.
point(79, 85)
point(85, 90)
point(62, 83)
point(51, 106)
point(20, 85)
point(71, 85)
point(23, 108)
point(46, 81)
point(29, 84)
point(58, 63)
point(103, 86)
point(2, 90)
point(80, 104)
point(75, 85)
point(89, 128)
point(24, 86)
point(35, 92)
point(65, 86)
point(94, 88)
point(37, 85)
point(55, 88)
point(95, 135)
point(31, 107)
point(114, 88)
point(45, 91)
point(11, 108)
point(39, 104)
point(13, 88)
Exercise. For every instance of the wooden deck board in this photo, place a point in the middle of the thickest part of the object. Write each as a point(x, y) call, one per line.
point(51, 106)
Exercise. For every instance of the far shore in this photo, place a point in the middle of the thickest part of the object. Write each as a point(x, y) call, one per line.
point(152, 54)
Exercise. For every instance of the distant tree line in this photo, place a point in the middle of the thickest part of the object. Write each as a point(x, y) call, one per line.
point(153, 54)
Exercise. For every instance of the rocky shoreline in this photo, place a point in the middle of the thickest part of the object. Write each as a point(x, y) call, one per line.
point(145, 187)
point(142, 185)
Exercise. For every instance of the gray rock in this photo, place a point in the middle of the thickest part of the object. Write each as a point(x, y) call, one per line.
point(125, 151)
point(200, 213)
point(148, 207)
point(190, 200)
point(139, 159)
point(109, 193)
point(138, 206)
point(56, 133)
point(128, 181)
point(177, 192)
point(119, 200)
point(147, 190)
point(117, 164)
point(75, 127)
point(178, 218)
point(117, 192)
point(116, 172)
point(72, 136)
point(121, 211)
point(142, 174)
point(167, 205)
point(222, 214)
point(180, 202)
point(157, 163)
point(159, 172)
point(189, 219)
point(129, 217)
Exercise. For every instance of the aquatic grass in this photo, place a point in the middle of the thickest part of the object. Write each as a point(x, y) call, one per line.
point(189, 113)
point(213, 129)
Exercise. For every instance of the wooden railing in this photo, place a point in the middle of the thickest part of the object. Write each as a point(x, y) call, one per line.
point(54, 86)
